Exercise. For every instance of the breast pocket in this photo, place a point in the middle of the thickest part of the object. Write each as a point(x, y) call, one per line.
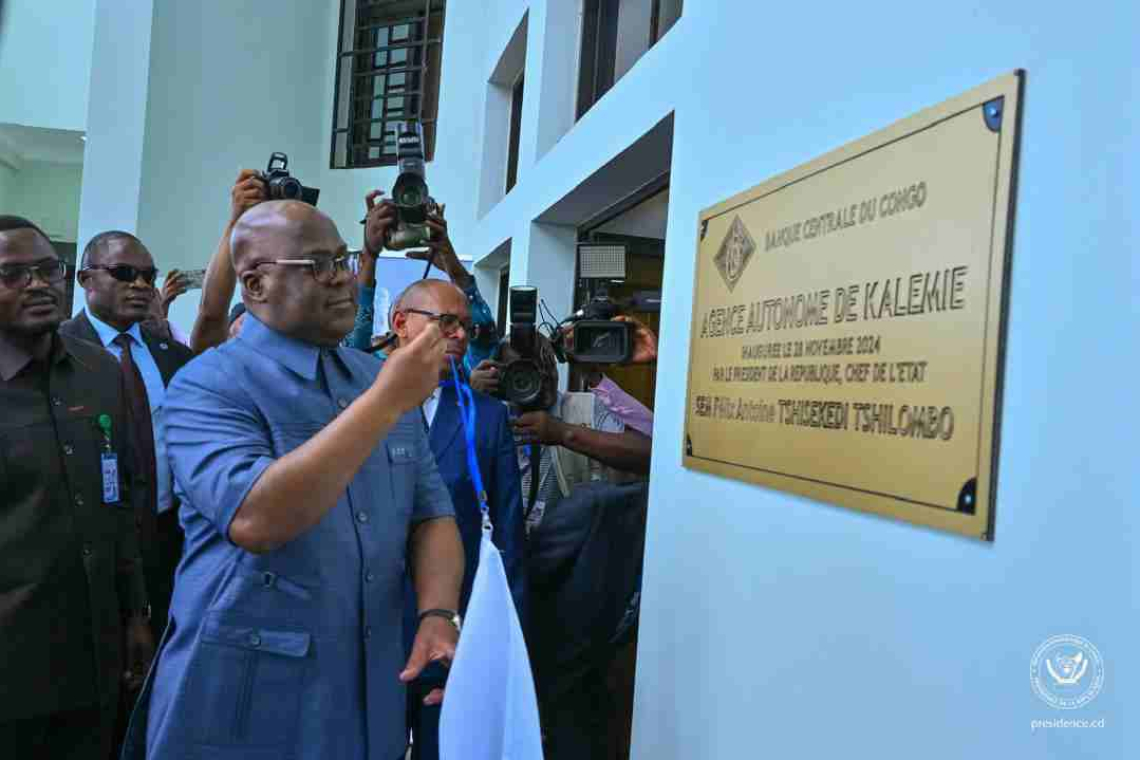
point(402, 471)
point(244, 685)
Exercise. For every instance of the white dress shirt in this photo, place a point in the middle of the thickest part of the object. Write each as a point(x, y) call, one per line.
point(431, 403)
point(155, 393)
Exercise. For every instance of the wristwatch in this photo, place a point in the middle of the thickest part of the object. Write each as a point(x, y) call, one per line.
point(450, 616)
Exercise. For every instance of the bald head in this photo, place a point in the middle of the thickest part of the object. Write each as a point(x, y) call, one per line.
point(288, 297)
point(426, 294)
point(425, 301)
point(277, 230)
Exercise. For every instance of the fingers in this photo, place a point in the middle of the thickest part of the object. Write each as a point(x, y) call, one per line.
point(434, 697)
point(417, 661)
point(370, 199)
point(245, 174)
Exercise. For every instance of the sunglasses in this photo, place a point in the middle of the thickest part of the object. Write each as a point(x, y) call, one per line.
point(16, 276)
point(127, 273)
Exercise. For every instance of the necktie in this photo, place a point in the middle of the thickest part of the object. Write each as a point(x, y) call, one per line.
point(138, 406)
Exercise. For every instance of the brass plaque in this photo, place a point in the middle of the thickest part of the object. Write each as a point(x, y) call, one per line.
point(848, 320)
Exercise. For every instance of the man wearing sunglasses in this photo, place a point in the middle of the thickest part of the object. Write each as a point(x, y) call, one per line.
point(426, 304)
point(309, 492)
point(71, 581)
point(117, 274)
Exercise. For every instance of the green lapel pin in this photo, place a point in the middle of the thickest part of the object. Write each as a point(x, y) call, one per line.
point(105, 426)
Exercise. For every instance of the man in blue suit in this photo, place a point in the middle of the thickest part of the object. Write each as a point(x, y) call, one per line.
point(423, 303)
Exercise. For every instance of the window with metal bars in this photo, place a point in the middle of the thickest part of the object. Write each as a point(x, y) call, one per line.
point(387, 71)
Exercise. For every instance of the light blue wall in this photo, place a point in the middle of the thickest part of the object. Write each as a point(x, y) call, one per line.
point(45, 62)
point(774, 627)
point(48, 194)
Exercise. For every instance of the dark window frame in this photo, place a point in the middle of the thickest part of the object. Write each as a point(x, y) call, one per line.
point(598, 53)
point(514, 134)
point(391, 73)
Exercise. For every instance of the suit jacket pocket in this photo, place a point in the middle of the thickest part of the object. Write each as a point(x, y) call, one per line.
point(245, 683)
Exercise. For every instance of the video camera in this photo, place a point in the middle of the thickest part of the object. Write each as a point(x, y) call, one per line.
point(281, 186)
point(521, 380)
point(410, 191)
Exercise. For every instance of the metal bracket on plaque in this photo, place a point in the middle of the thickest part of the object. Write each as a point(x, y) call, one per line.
point(993, 111)
point(968, 497)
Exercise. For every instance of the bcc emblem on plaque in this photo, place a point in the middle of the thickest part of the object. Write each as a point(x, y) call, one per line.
point(734, 253)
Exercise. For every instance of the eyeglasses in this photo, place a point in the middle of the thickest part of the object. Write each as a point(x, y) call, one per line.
point(448, 323)
point(324, 270)
point(16, 276)
point(128, 273)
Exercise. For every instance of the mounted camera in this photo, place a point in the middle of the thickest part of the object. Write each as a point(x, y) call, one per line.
point(521, 380)
point(410, 192)
point(282, 186)
point(597, 338)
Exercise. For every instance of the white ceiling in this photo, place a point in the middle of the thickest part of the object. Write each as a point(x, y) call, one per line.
point(59, 146)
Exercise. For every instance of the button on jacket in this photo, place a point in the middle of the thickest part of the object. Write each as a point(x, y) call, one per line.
point(292, 653)
point(69, 562)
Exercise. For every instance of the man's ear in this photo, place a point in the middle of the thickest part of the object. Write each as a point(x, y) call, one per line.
point(253, 285)
point(83, 276)
point(400, 324)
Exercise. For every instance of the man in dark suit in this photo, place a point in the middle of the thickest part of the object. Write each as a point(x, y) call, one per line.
point(437, 301)
point(117, 274)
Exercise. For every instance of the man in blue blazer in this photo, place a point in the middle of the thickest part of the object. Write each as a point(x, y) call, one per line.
point(422, 303)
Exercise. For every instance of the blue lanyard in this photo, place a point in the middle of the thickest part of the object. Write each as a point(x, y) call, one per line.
point(468, 416)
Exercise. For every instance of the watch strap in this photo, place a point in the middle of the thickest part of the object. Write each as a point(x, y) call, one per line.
point(450, 616)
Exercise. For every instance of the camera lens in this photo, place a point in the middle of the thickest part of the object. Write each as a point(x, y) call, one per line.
point(290, 189)
point(522, 382)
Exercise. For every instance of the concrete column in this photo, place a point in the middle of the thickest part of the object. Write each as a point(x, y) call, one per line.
point(116, 119)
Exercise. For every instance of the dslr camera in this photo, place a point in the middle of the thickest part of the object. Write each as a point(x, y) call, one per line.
point(282, 186)
point(410, 192)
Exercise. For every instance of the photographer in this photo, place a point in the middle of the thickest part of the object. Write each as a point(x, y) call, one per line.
point(379, 221)
point(212, 327)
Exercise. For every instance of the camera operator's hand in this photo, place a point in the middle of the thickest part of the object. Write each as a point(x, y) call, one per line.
point(644, 341)
point(380, 218)
point(540, 427)
point(485, 377)
point(173, 286)
point(442, 252)
point(248, 191)
point(411, 373)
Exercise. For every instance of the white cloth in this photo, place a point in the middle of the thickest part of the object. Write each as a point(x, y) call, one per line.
point(430, 405)
point(490, 711)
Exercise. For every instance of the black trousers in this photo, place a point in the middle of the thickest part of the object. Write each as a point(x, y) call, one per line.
point(83, 734)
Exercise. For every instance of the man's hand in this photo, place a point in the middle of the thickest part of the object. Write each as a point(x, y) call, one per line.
point(140, 652)
point(644, 341)
point(485, 377)
point(442, 252)
point(379, 219)
point(540, 427)
point(411, 374)
point(173, 286)
point(435, 642)
point(248, 191)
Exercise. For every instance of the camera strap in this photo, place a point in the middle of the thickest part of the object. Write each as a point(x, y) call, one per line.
point(467, 415)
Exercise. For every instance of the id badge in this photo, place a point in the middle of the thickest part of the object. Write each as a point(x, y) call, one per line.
point(110, 478)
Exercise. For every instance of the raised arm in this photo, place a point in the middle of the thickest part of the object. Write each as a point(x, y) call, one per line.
point(211, 328)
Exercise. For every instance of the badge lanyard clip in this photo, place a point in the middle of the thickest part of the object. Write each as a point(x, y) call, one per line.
point(468, 416)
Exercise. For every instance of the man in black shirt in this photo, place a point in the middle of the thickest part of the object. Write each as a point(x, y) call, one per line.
point(71, 583)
